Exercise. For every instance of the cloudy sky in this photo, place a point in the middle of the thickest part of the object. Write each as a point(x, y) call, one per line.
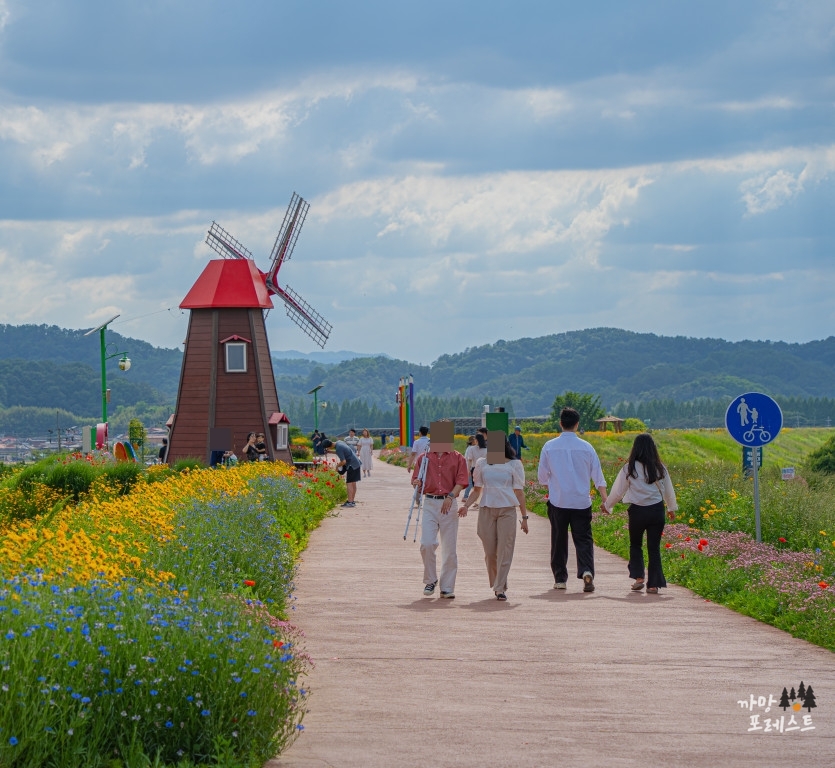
point(476, 170)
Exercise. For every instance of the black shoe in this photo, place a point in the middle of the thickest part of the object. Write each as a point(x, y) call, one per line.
point(451, 596)
point(429, 589)
point(501, 596)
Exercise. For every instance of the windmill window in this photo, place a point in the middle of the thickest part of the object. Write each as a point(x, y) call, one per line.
point(235, 357)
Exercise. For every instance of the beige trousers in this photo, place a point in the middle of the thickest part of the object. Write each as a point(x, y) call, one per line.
point(497, 531)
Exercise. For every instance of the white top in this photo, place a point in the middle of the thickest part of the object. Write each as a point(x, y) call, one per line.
point(498, 481)
point(473, 454)
point(352, 441)
point(366, 445)
point(420, 446)
point(639, 491)
point(567, 465)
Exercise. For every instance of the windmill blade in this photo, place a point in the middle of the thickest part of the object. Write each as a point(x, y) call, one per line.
point(285, 242)
point(220, 241)
point(303, 315)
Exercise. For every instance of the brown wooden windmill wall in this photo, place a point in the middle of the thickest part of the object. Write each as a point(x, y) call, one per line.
point(209, 396)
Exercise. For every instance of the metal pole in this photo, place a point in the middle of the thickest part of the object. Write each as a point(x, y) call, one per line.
point(103, 377)
point(755, 462)
point(316, 409)
point(58, 431)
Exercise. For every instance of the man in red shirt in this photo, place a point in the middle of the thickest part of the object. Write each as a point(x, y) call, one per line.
point(445, 477)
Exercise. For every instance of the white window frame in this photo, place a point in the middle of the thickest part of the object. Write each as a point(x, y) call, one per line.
point(227, 346)
point(282, 437)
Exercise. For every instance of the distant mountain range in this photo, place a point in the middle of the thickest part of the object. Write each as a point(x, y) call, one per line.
point(50, 367)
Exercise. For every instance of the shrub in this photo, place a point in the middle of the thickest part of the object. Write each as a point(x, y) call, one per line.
point(634, 425)
point(188, 463)
point(72, 479)
point(823, 459)
point(124, 475)
point(301, 452)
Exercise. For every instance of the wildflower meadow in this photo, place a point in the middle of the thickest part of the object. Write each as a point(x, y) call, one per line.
point(147, 623)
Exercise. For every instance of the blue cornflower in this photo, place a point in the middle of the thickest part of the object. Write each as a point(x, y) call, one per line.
point(85, 700)
point(299, 727)
point(72, 663)
point(13, 741)
point(118, 690)
point(169, 724)
point(76, 695)
point(105, 671)
point(189, 698)
point(10, 635)
point(205, 713)
point(243, 694)
point(252, 713)
point(153, 693)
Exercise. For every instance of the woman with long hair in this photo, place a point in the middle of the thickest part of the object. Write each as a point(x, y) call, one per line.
point(644, 483)
point(500, 488)
point(365, 446)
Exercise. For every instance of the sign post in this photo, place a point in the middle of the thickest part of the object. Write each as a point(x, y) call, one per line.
point(754, 420)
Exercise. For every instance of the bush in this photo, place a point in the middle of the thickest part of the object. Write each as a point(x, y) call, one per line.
point(188, 463)
point(124, 475)
point(634, 425)
point(301, 452)
point(823, 459)
point(72, 479)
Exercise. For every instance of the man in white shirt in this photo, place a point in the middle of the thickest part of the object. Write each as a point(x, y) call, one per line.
point(419, 447)
point(567, 465)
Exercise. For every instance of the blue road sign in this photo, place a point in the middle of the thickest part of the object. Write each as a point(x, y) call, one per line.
point(754, 419)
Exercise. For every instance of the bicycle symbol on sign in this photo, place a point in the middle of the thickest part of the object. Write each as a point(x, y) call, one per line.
point(765, 435)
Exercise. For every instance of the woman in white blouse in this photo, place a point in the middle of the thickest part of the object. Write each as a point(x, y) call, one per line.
point(364, 448)
point(501, 488)
point(644, 483)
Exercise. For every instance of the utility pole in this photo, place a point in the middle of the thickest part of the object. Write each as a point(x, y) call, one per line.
point(58, 430)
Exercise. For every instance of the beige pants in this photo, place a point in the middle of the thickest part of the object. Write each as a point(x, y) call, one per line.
point(497, 531)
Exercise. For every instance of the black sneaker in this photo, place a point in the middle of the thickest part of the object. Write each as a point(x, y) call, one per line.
point(429, 589)
point(451, 596)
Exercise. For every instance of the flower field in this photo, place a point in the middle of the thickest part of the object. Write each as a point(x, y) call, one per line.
point(149, 627)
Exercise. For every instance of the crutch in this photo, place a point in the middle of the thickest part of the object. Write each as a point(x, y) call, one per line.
point(417, 494)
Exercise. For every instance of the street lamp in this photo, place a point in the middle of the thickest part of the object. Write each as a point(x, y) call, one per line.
point(124, 364)
point(315, 393)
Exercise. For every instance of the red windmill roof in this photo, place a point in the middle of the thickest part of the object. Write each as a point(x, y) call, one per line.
point(228, 283)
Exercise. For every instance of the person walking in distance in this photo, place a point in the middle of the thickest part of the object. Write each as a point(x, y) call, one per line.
point(419, 447)
point(366, 445)
point(567, 465)
point(445, 477)
point(644, 483)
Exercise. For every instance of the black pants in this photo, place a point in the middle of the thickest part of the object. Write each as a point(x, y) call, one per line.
point(579, 520)
point(651, 520)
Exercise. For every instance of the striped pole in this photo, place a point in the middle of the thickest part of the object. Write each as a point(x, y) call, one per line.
point(411, 410)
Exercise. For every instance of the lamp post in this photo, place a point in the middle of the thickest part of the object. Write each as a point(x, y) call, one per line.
point(124, 364)
point(315, 393)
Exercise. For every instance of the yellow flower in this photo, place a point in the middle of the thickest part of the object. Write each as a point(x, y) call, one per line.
point(692, 520)
point(823, 533)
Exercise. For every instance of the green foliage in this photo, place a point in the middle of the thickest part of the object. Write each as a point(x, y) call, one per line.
point(634, 425)
point(73, 478)
point(136, 433)
point(124, 475)
point(188, 463)
point(823, 459)
point(586, 404)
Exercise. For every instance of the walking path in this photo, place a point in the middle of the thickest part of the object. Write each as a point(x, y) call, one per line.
point(612, 678)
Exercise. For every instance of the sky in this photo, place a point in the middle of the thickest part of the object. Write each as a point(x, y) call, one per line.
point(476, 171)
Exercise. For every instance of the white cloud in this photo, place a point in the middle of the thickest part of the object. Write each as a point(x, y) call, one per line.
point(767, 192)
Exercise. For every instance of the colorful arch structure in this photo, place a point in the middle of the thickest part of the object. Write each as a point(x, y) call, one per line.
point(406, 407)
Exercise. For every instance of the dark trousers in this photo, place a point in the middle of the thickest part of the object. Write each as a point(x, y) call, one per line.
point(579, 520)
point(651, 520)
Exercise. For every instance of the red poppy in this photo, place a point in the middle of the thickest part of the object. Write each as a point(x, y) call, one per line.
point(682, 555)
point(286, 535)
point(277, 644)
point(823, 584)
point(249, 583)
point(703, 542)
point(700, 547)
point(668, 545)
point(782, 540)
point(687, 538)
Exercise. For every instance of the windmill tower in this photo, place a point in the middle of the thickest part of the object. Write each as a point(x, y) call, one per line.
point(227, 388)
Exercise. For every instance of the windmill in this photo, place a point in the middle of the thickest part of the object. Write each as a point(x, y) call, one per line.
point(227, 386)
point(298, 310)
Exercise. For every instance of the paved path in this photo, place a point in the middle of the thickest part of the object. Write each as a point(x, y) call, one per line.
point(549, 678)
